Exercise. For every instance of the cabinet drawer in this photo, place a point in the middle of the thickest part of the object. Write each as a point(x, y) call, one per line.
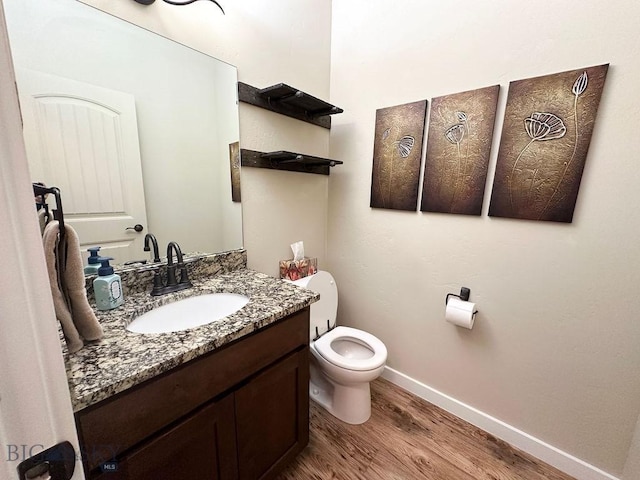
point(117, 424)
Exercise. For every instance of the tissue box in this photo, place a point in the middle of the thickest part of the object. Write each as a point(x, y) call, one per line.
point(295, 270)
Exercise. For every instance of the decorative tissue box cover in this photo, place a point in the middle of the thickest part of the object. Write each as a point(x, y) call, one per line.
point(295, 270)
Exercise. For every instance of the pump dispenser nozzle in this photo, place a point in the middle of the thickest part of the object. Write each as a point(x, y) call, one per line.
point(94, 258)
point(93, 261)
point(105, 269)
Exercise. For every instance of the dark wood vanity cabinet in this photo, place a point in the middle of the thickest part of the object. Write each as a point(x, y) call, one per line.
point(239, 412)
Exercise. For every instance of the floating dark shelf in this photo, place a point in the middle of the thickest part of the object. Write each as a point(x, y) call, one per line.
point(289, 101)
point(290, 161)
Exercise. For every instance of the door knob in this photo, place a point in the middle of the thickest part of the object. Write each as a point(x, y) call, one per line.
point(137, 227)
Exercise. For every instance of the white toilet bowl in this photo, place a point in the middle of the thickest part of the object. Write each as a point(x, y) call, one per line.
point(344, 360)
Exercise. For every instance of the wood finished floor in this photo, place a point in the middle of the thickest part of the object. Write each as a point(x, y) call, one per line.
point(407, 438)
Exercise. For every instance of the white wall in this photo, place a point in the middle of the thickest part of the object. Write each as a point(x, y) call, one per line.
point(555, 348)
point(270, 42)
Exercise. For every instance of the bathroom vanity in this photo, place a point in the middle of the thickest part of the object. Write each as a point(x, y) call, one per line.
point(228, 400)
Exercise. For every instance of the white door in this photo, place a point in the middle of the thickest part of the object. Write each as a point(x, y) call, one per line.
point(83, 139)
point(35, 409)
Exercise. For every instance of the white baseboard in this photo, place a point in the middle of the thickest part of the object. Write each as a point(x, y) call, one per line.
point(547, 453)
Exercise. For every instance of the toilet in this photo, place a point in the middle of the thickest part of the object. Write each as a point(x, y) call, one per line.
point(344, 360)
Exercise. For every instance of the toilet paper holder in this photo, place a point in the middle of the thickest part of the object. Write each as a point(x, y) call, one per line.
point(461, 313)
point(465, 293)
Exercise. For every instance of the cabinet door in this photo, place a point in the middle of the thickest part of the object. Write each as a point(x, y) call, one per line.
point(201, 447)
point(272, 417)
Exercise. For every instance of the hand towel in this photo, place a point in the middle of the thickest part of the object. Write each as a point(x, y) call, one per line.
point(73, 283)
point(50, 244)
point(68, 287)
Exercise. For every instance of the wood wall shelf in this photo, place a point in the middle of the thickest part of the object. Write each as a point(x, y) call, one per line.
point(290, 161)
point(289, 101)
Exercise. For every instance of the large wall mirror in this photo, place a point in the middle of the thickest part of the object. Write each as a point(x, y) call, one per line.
point(132, 127)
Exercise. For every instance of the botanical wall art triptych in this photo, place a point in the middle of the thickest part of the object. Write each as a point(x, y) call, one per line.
point(543, 147)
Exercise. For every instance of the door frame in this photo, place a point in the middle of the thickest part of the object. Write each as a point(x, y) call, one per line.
point(35, 406)
point(102, 160)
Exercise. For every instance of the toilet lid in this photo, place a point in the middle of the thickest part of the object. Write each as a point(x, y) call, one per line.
point(379, 357)
point(323, 312)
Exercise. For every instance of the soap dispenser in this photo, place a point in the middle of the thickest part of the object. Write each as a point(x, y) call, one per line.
point(94, 262)
point(107, 287)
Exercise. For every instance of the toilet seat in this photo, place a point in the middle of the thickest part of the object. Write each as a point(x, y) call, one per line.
point(378, 357)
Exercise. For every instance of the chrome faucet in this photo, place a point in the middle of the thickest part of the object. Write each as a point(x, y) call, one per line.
point(172, 285)
point(154, 242)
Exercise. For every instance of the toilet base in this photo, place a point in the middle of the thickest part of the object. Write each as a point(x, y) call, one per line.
point(349, 403)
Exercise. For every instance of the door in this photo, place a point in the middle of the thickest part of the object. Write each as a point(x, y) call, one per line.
point(201, 447)
point(35, 408)
point(83, 139)
point(272, 417)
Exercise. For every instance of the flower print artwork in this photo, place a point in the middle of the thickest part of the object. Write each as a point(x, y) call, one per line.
point(540, 127)
point(545, 138)
point(455, 135)
point(458, 148)
point(397, 153)
point(234, 166)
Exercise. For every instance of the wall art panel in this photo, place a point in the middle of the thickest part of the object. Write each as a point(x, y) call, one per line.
point(234, 163)
point(458, 148)
point(397, 152)
point(545, 138)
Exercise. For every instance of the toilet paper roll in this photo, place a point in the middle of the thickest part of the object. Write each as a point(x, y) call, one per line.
point(460, 313)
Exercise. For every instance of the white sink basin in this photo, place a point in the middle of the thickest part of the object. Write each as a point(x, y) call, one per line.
point(188, 313)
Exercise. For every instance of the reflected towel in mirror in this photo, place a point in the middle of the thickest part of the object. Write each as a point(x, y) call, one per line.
point(72, 307)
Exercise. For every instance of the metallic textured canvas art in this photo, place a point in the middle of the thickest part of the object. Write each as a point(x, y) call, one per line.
point(458, 148)
point(545, 138)
point(234, 162)
point(397, 151)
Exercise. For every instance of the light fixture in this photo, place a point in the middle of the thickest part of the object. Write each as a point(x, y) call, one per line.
point(173, 2)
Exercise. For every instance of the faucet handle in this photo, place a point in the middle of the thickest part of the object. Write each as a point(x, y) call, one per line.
point(171, 276)
point(184, 276)
point(157, 283)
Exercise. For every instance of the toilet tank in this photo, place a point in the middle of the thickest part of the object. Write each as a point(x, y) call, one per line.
point(327, 307)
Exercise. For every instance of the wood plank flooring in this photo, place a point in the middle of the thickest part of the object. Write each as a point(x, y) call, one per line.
point(407, 438)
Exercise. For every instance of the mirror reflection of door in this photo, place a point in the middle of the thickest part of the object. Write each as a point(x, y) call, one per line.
point(83, 139)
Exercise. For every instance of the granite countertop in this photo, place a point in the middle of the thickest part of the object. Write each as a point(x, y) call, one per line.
point(123, 359)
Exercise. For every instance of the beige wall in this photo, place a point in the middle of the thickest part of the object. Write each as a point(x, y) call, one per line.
point(556, 347)
point(270, 42)
point(632, 465)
